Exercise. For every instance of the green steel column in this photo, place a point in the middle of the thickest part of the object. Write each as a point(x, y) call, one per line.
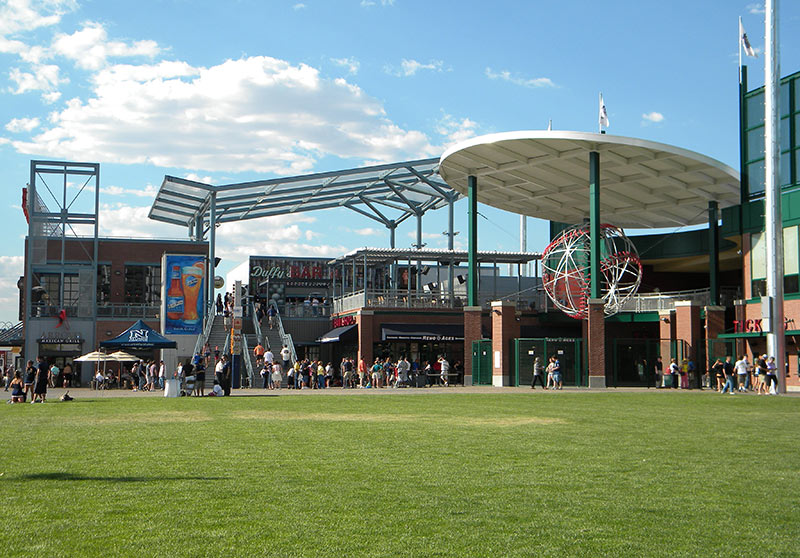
point(713, 252)
point(472, 243)
point(594, 222)
point(744, 187)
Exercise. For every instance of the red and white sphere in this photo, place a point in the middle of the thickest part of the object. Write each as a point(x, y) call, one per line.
point(566, 270)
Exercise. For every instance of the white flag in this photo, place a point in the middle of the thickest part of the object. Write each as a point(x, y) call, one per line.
point(603, 118)
point(748, 50)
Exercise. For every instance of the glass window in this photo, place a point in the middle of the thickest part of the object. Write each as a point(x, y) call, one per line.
point(783, 93)
point(71, 290)
point(755, 110)
point(786, 168)
point(143, 284)
point(755, 144)
point(790, 251)
point(51, 293)
point(103, 283)
point(790, 284)
point(758, 256)
point(759, 287)
point(755, 177)
point(784, 132)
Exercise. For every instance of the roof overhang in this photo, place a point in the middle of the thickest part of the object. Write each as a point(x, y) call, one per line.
point(545, 174)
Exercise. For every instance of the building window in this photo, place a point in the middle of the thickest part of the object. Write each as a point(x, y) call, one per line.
point(103, 283)
point(143, 284)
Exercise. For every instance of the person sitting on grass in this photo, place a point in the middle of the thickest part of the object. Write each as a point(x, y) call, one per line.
point(216, 391)
point(17, 389)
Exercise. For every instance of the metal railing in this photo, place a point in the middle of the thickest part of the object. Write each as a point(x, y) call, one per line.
point(534, 298)
point(286, 338)
point(205, 334)
point(386, 298)
point(306, 310)
point(256, 323)
point(248, 364)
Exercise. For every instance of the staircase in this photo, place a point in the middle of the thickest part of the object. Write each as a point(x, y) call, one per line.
point(215, 340)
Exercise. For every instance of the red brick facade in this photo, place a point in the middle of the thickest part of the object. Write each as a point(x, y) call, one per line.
point(597, 344)
point(505, 327)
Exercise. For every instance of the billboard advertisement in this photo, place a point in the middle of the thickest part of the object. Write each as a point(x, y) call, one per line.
point(185, 294)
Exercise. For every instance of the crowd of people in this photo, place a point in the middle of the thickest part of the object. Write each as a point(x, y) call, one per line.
point(383, 372)
point(760, 376)
point(33, 382)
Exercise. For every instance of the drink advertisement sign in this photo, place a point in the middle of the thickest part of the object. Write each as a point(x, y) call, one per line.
point(183, 301)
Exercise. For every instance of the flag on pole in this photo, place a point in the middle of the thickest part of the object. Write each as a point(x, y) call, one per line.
point(748, 49)
point(603, 117)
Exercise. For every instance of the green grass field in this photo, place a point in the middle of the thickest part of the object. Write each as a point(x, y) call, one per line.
point(425, 474)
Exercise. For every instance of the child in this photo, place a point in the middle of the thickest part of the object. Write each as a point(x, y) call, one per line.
point(216, 391)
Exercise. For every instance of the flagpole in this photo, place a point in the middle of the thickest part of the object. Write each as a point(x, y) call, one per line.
point(599, 120)
point(739, 44)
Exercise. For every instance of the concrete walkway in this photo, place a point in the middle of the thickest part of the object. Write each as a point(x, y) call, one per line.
point(53, 394)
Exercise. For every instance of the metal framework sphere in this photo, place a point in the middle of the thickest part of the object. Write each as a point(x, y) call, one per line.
point(566, 270)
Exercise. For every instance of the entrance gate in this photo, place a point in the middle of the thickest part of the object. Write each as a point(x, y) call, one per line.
point(567, 350)
point(482, 362)
point(634, 360)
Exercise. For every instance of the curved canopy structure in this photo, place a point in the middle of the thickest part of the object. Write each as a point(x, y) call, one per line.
point(545, 174)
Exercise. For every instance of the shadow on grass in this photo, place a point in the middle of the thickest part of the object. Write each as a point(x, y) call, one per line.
point(74, 477)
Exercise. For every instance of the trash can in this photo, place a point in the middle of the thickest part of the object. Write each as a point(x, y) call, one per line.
point(172, 388)
point(667, 380)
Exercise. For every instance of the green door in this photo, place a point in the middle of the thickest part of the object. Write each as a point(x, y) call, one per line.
point(482, 362)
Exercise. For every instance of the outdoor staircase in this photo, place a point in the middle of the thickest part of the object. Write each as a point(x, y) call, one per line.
point(215, 339)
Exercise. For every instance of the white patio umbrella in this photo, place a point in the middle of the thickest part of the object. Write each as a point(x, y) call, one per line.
point(97, 357)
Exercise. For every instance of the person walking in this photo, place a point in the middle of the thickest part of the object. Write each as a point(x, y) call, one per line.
point(719, 374)
point(557, 383)
point(658, 369)
point(674, 372)
point(286, 356)
point(742, 368)
point(29, 379)
point(772, 376)
point(42, 380)
point(728, 371)
point(538, 373)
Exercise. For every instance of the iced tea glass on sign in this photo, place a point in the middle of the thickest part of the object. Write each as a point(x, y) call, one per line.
point(191, 279)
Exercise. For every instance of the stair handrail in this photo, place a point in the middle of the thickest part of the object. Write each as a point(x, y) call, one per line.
point(286, 338)
point(248, 364)
point(256, 323)
point(202, 339)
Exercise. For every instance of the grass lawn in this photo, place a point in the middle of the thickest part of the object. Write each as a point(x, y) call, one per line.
point(427, 474)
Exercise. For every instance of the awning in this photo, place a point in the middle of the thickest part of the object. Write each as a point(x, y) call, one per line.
point(335, 334)
point(422, 332)
point(140, 336)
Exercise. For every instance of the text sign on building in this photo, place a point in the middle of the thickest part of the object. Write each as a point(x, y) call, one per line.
point(312, 273)
point(184, 294)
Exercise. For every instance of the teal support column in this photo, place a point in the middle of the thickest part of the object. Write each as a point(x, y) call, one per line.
point(594, 223)
point(713, 252)
point(472, 243)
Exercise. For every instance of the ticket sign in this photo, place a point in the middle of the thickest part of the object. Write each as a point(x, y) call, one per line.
point(183, 300)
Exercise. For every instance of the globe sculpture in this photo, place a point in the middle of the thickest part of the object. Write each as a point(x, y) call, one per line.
point(566, 270)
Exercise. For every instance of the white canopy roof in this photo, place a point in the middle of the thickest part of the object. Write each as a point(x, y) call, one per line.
point(545, 174)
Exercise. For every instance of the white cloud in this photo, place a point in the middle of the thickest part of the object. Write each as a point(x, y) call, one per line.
point(756, 9)
point(197, 178)
point(454, 130)
point(653, 117)
point(351, 64)
point(27, 15)
point(22, 124)
point(90, 47)
point(44, 78)
point(367, 231)
point(11, 269)
point(369, 3)
point(257, 113)
point(299, 6)
point(411, 67)
point(149, 191)
point(533, 83)
point(51, 97)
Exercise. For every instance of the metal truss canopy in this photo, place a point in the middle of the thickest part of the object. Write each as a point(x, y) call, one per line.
point(411, 187)
point(390, 255)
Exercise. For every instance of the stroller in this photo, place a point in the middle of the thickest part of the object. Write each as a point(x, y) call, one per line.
point(187, 385)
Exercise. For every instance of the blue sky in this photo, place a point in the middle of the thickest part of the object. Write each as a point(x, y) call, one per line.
point(241, 90)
